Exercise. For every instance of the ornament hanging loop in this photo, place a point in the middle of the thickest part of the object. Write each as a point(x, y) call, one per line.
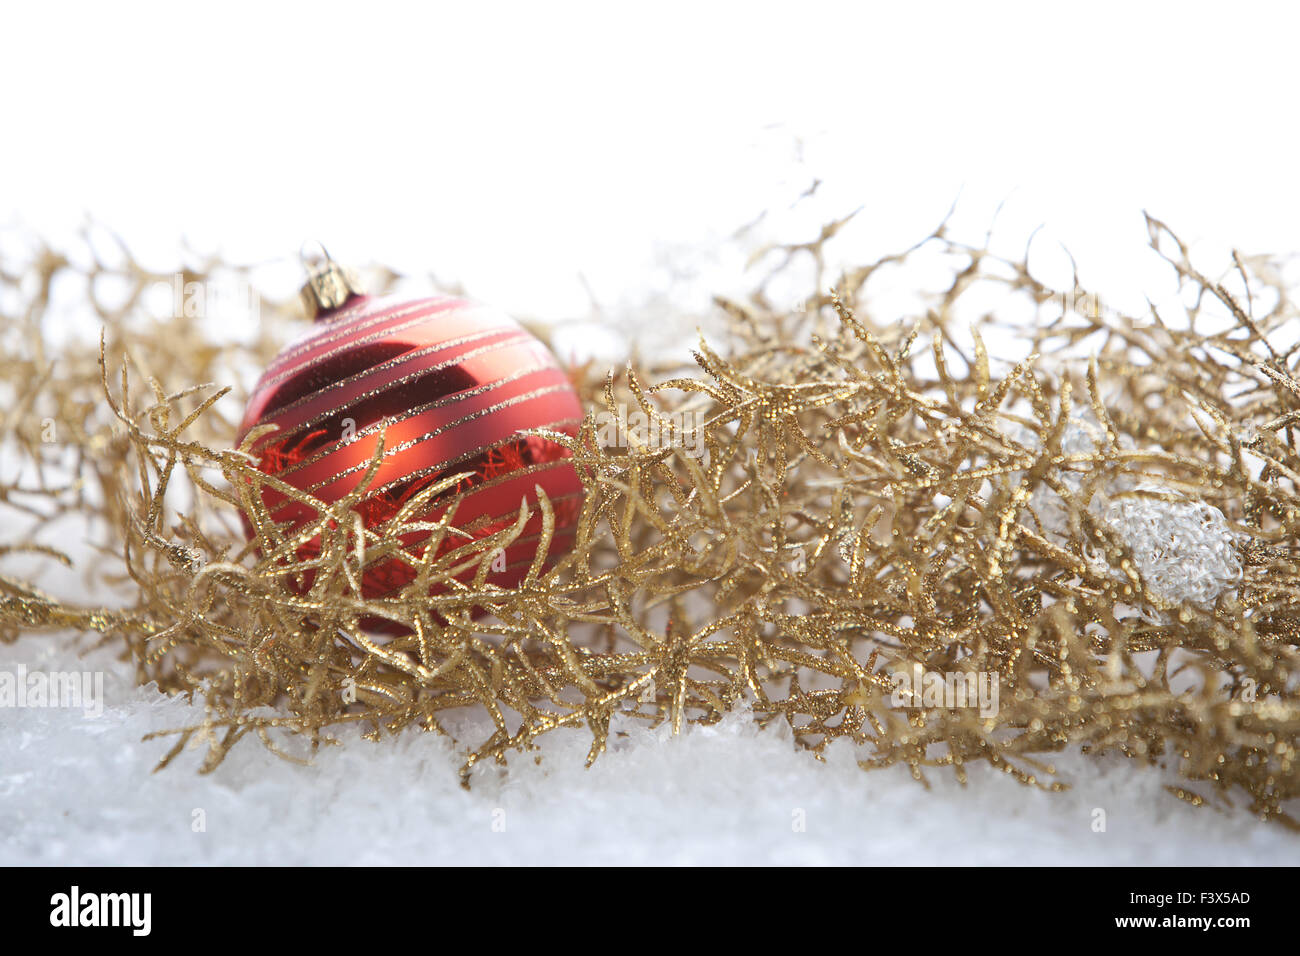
point(329, 285)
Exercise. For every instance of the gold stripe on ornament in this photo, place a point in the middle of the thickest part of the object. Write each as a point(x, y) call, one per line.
point(449, 426)
point(400, 419)
point(519, 336)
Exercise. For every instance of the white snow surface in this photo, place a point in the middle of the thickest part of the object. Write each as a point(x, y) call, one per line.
point(79, 790)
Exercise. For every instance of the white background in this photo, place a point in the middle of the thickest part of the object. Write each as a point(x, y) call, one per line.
point(516, 146)
point(536, 152)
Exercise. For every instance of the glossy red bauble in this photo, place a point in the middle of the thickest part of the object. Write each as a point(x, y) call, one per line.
point(451, 384)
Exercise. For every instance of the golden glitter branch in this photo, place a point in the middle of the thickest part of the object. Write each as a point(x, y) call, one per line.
point(840, 524)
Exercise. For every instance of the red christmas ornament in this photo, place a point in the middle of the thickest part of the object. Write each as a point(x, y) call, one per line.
point(451, 384)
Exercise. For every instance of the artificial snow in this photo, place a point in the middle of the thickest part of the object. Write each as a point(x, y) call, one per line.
point(77, 789)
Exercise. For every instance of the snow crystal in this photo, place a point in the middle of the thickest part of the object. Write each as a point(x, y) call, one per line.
point(1184, 549)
